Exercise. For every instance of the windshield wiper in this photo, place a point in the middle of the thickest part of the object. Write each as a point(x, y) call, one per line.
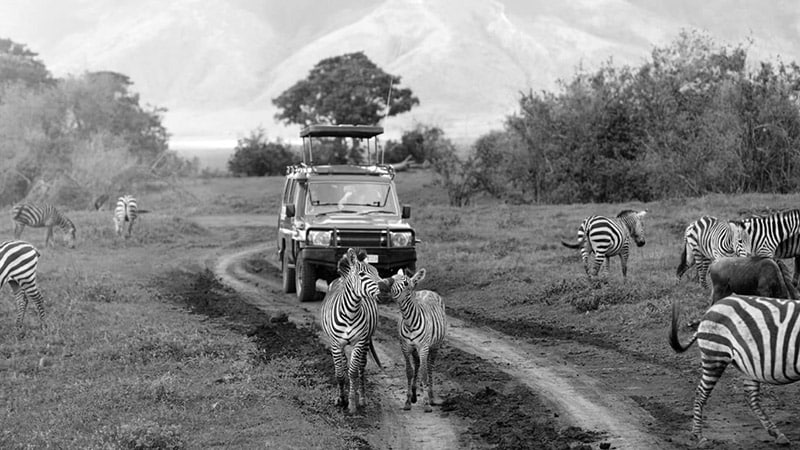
point(377, 211)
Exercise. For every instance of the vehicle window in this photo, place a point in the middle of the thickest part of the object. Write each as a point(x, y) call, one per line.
point(288, 191)
point(359, 197)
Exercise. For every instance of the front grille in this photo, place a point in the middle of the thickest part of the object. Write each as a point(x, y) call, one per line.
point(361, 238)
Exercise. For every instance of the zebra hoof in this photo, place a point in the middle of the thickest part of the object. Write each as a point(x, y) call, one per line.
point(341, 402)
point(781, 439)
point(407, 406)
point(427, 408)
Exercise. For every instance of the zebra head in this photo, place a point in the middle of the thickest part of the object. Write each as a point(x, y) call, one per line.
point(360, 277)
point(740, 238)
point(634, 220)
point(402, 284)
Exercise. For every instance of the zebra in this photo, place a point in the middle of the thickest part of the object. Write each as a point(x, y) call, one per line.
point(44, 215)
point(707, 239)
point(126, 211)
point(607, 237)
point(422, 328)
point(759, 335)
point(767, 232)
point(790, 248)
point(349, 316)
point(18, 263)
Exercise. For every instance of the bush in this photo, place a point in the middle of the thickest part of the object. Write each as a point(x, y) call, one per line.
point(254, 156)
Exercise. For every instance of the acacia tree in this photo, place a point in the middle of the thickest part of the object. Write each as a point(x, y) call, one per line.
point(345, 89)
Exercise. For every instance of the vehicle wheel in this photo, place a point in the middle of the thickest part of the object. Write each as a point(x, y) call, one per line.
point(305, 280)
point(288, 273)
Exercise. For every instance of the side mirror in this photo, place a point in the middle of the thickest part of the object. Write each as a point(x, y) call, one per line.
point(406, 214)
point(290, 211)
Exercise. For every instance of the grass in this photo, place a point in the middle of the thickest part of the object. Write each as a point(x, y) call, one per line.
point(131, 360)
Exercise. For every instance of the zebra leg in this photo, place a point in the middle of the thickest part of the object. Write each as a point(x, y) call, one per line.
point(32, 292)
point(415, 379)
point(623, 261)
point(49, 236)
point(431, 362)
point(18, 227)
point(796, 275)
point(753, 390)
point(358, 359)
point(410, 398)
point(597, 263)
point(424, 378)
point(702, 272)
point(712, 370)
point(339, 364)
point(130, 227)
point(22, 305)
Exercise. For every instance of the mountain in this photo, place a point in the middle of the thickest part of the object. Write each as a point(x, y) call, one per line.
point(217, 65)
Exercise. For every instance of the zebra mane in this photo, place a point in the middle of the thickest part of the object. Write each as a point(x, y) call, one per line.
point(625, 213)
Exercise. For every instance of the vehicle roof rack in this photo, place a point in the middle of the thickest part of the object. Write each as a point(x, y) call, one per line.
point(354, 131)
point(369, 132)
point(385, 170)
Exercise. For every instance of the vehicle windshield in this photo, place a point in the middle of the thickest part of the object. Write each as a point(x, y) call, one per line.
point(326, 197)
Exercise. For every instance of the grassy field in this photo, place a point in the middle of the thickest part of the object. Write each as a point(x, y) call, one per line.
point(137, 356)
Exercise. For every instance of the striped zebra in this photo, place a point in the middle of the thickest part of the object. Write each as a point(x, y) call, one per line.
point(707, 239)
point(349, 315)
point(18, 262)
point(422, 328)
point(126, 211)
point(44, 215)
point(607, 237)
point(759, 336)
point(767, 232)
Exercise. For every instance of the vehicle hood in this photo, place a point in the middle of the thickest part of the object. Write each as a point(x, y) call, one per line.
point(356, 221)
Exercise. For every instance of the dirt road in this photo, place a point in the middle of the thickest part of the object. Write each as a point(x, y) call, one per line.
point(576, 399)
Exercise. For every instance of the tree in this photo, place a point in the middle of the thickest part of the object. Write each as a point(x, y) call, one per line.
point(19, 65)
point(346, 89)
point(255, 156)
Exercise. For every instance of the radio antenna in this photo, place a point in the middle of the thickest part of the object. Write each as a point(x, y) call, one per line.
point(388, 100)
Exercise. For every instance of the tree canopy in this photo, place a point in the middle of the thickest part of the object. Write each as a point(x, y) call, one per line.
point(345, 89)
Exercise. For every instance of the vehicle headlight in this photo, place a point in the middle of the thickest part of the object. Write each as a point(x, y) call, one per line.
point(401, 238)
point(318, 237)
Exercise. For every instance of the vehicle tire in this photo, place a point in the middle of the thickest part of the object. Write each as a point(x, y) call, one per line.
point(288, 273)
point(305, 280)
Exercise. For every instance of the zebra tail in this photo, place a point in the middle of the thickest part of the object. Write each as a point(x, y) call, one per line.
point(572, 244)
point(683, 265)
point(374, 354)
point(674, 342)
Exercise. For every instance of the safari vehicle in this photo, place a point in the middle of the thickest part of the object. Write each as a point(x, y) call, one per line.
point(325, 209)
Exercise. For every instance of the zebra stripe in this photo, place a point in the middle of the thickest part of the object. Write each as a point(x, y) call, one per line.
point(759, 336)
point(38, 216)
point(422, 328)
point(607, 237)
point(18, 263)
point(126, 211)
point(790, 248)
point(708, 239)
point(349, 316)
point(767, 232)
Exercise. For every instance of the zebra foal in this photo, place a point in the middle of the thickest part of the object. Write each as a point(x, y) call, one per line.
point(18, 264)
point(422, 329)
point(126, 211)
point(759, 336)
point(607, 237)
point(349, 316)
point(707, 239)
point(44, 215)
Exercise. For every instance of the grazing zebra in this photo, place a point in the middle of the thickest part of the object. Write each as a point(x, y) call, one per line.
point(767, 232)
point(349, 315)
point(607, 237)
point(422, 329)
point(759, 336)
point(707, 239)
point(18, 261)
point(126, 211)
point(44, 215)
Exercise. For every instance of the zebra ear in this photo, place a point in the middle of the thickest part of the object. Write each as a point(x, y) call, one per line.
point(419, 276)
point(642, 213)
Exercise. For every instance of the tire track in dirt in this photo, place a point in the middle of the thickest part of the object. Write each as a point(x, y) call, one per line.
point(580, 400)
point(403, 430)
